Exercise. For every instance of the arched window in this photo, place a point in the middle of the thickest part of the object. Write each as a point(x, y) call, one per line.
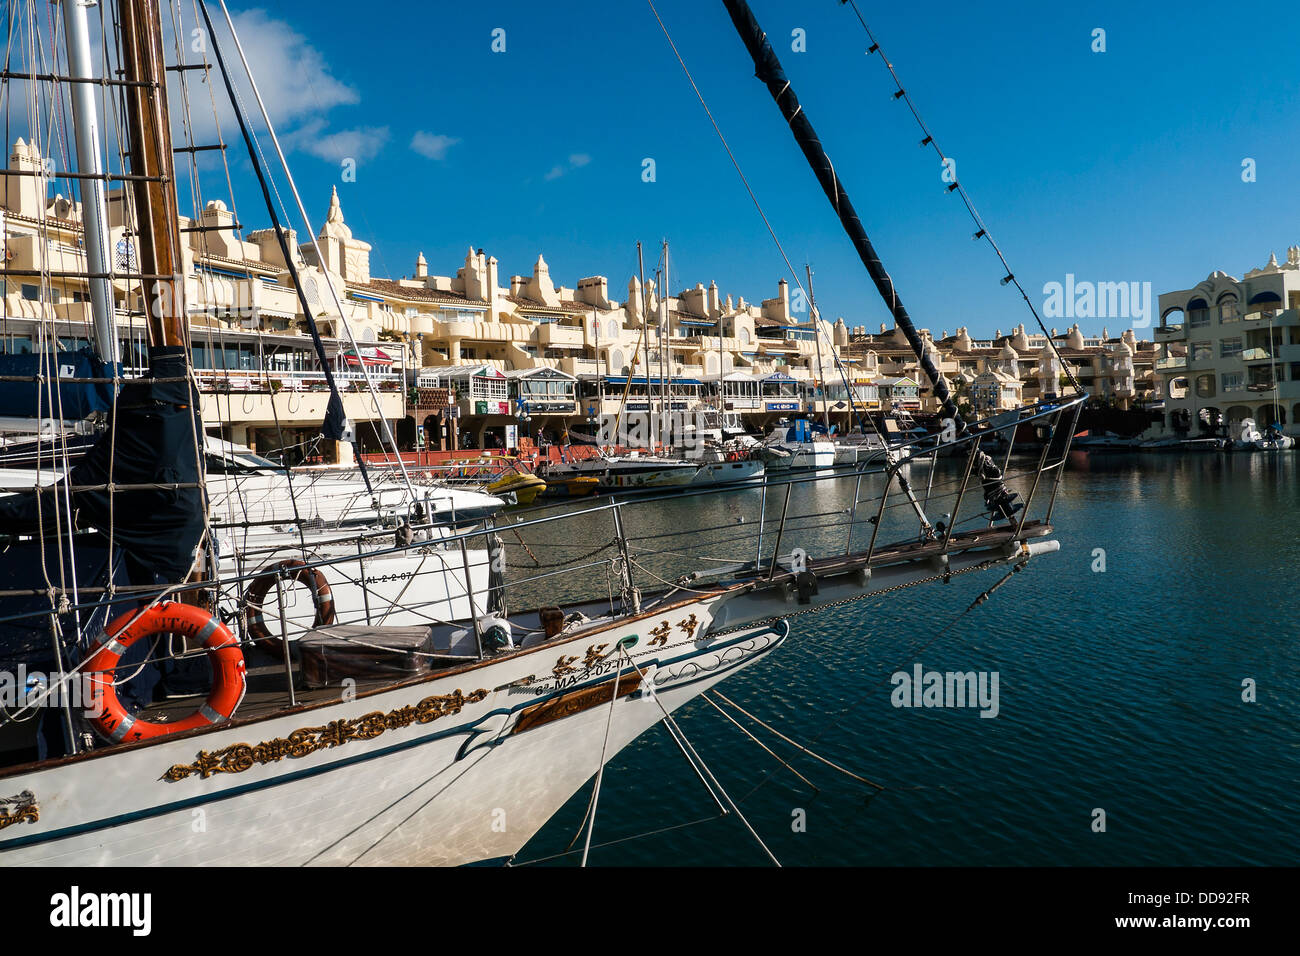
point(613, 329)
point(616, 361)
point(744, 335)
point(1198, 313)
point(1205, 386)
point(1227, 304)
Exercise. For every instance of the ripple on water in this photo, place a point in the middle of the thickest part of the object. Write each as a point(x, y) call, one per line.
point(1119, 690)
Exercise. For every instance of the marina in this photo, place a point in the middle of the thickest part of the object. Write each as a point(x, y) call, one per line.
point(307, 564)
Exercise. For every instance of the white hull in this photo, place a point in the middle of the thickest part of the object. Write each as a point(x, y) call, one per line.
point(806, 455)
point(463, 786)
point(727, 473)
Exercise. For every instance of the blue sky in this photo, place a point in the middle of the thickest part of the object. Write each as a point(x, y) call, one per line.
point(1117, 166)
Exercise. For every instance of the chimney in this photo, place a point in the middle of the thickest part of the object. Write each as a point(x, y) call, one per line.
point(421, 266)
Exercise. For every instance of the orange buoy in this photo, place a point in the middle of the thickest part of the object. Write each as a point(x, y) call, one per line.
point(228, 679)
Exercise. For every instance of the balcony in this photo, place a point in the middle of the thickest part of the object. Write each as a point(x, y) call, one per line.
point(555, 335)
point(1170, 333)
point(1171, 364)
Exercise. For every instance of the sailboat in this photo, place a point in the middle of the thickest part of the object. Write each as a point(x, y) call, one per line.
point(366, 743)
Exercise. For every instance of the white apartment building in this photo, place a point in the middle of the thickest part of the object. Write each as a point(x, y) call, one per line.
point(1230, 350)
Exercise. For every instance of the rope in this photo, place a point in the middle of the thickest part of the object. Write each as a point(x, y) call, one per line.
point(702, 768)
point(600, 771)
point(921, 650)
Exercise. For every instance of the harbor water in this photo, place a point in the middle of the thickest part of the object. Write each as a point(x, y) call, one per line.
point(1121, 735)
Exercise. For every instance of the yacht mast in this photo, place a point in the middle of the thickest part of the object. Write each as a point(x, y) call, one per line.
point(153, 182)
point(94, 206)
point(665, 327)
point(817, 337)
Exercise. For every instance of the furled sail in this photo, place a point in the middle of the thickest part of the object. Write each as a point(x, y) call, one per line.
point(24, 395)
point(150, 459)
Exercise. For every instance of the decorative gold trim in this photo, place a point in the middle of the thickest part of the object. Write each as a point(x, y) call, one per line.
point(307, 740)
point(28, 813)
point(575, 702)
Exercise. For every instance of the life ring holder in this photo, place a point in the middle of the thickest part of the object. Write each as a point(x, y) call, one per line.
point(229, 681)
point(255, 598)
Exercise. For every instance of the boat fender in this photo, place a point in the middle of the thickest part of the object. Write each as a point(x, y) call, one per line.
point(496, 632)
point(263, 584)
point(229, 682)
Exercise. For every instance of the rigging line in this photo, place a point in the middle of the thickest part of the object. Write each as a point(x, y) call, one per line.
point(746, 732)
point(329, 281)
point(616, 842)
point(280, 233)
point(600, 770)
point(984, 596)
point(712, 782)
point(769, 727)
point(983, 231)
point(757, 205)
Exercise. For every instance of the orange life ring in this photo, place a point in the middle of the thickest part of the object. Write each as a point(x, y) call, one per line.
point(228, 679)
point(255, 596)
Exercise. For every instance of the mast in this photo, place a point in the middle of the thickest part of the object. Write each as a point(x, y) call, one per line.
point(645, 332)
point(665, 326)
point(94, 206)
point(768, 69)
point(149, 134)
point(817, 337)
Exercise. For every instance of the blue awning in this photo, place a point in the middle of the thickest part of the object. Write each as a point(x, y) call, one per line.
point(622, 380)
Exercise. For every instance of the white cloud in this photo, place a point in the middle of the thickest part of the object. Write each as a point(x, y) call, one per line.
point(293, 77)
point(432, 145)
point(576, 161)
point(361, 143)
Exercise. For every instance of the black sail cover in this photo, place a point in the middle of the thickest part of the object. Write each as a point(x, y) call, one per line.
point(154, 438)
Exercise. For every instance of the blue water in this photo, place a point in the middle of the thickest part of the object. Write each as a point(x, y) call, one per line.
point(1120, 690)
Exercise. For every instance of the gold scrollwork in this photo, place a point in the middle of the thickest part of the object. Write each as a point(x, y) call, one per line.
point(26, 810)
point(659, 634)
point(307, 740)
point(563, 665)
point(689, 625)
point(595, 654)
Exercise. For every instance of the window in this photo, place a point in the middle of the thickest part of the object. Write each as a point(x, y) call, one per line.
point(1293, 300)
point(1198, 313)
point(1205, 386)
point(1233, 381)
point(1201, 352)
point(31, 292)
point(1228, 348)
point(1228, 311)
